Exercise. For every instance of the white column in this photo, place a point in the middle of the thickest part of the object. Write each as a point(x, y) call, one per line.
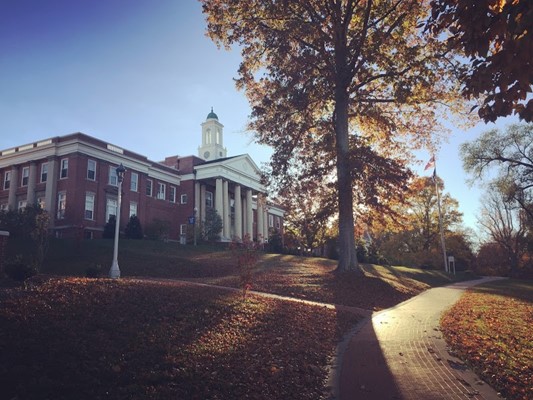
point(260, 220)
point(13, 185)
point(238, 212)
point(265, 224)
point(197, 202)
point(249, 214)
point(202, 203)
point(50, 194)
point(32, 181)
point(226, 220)
point(197, 211)
point(244, 215)
point(219, 205)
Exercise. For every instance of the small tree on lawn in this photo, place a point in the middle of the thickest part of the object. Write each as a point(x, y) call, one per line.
point(109, 228)
point(134, 229)
point(275, 242)
point(39, 234)
point(247, 253)
point(28, 227)
point(212, 225)
point(158, 229)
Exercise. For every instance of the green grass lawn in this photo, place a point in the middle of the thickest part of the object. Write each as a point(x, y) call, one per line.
point(73, 337)
point(78, 338)
point(301, 277)
point(491, 329)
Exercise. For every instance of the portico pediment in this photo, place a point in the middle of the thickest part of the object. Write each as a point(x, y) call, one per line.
point(239, 169)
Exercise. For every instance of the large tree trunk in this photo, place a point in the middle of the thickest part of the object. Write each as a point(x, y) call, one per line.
point(347, 250)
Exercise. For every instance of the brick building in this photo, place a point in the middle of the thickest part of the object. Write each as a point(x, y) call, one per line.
point(73, 177)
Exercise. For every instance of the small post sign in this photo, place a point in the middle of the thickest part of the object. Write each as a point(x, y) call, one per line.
point(191, 220)
point(451, 262)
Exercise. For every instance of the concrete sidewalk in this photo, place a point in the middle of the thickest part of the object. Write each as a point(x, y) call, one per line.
point(399, 353)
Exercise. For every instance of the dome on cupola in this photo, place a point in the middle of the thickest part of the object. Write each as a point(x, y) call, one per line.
point(212, 115)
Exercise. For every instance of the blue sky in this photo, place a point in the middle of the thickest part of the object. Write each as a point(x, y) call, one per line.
point(140, 74)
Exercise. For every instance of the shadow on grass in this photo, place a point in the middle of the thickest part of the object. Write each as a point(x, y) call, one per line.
point(520, 289)
point(101, 339)
point(431, 277)
point(135, 257)
point(90, 339)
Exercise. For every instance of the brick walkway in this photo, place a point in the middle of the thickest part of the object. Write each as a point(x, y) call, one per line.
point(400, 354)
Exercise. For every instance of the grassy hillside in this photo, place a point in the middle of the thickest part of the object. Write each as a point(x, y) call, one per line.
point(490, 328)
point(302, 277)
point(78, 338)
point(68, 337)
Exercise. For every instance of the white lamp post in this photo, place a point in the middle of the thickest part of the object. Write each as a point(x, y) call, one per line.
point(114, 272)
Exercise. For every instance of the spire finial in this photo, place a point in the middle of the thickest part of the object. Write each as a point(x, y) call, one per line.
point(212, 114)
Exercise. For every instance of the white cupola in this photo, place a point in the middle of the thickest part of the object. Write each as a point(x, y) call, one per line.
point(212, 147)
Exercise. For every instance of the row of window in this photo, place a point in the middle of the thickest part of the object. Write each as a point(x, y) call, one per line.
point(161, 193)
point(22, 204)
point(25, 175)
point(112, 206)
point(272, 220)
point(90, 202)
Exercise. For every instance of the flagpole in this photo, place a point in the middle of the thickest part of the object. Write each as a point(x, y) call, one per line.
point(443, 243)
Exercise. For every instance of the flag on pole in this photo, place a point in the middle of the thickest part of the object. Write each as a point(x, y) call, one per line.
point(431, 163)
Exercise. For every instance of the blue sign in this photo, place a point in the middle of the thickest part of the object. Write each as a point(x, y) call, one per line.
point(191, 220)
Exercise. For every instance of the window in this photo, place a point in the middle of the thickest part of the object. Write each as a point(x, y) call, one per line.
point(149, 187)
point(3, 207)
point(172, 194)
point(161, 191)
point(133, 208)
point(183, 229)
point(270, 221)
point(64, 168)
point(7, 180)
point(89, 206)
point(184, 199)
point(44, 172)
point(111, 208)
point(209, 199)
point(61, 205)
point(91, 170)
point(41, 203)
point(113, 179)
point(88, 235)
point(25, 176)
point(278, 222)
point(22, 204)
point(134, 184)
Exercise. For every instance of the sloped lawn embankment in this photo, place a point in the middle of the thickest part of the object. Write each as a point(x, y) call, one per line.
point(491, 328)
point(100, 339)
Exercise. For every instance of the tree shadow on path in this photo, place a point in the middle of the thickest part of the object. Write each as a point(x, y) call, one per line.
point(364, 371)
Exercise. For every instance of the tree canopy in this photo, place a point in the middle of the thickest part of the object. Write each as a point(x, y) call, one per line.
point(510, 153)
point(416, 241)
point(309, 210)
point(341, 90)
point(505, 226)
point(497, 36)
point(423, 214)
